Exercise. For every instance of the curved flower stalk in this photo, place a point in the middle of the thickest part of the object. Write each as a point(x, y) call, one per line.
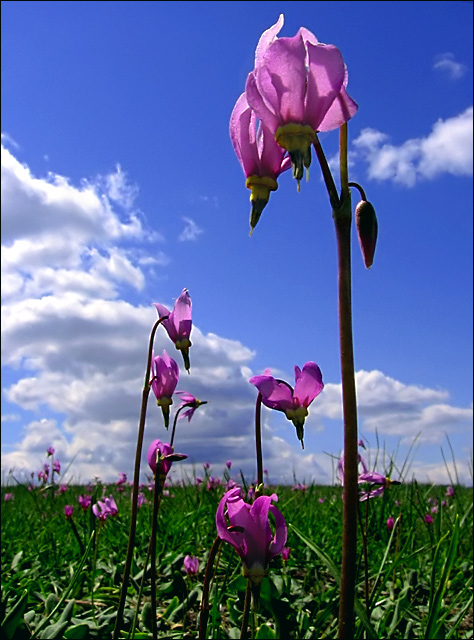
point(248, 531)
point(261, 158)
point(165, 376)
point(178, 324)
point(294, 403)
point(298, 87)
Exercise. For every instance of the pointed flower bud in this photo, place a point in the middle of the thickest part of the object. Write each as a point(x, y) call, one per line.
point(367, 229)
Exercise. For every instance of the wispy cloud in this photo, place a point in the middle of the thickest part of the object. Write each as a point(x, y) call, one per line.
point(448, 148)
point(446, 63)
point(191, 231)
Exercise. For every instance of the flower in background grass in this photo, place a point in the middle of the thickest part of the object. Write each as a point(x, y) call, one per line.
point(373, 478)
point(450, 492)
point(285, 554)
point(50, 451)
point(247, 529)
point(261, 158)
point(294, 403)
point(178, 324)
point(56, 466)
point(165, 375)
point(297, 88)
point(428, 519)
point(163, 453)
point(390, 523)
point(140, 499)
point(188, 400)
point(68, 510)
point(191, 565)
point(105, 508)
point(84, 501)
point(8, 497)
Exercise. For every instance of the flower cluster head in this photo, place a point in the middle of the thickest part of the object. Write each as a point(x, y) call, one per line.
point(247, 529)
point(191, 565)
point(293, 402)
point(160, 454)
point(165, 375)
point(178, 324)
point(105, 508)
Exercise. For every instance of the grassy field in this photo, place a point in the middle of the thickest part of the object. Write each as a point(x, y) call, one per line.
point(61, 581)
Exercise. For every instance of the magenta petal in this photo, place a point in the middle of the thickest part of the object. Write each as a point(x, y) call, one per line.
point(235, 538)
point(242, 135)
point(325, 79)
point(308, 385)
point(281, 533)
point(275, 395)
point(342, 109)
point(267, 111)
point(182, 315)
point(266, 39)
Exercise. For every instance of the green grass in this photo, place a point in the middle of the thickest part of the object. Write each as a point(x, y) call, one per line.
point(417, 584)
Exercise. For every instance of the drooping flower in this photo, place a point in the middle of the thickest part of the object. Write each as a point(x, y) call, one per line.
point(165, 376)
point(191, 565)
point(294, 403)
point(178, 323)
point(68, 511)
point(105, 508)
point(84, 501)
point(261, 158)
point(340, 466)
point(56, 466)
point(377, 480)
point(50, 451)
point(428, 519)
point(162, 453)
point(247, 529)
point(297, 88)
point(450, 492)
point(390, 523)
point(188, 400)
point(8, 497)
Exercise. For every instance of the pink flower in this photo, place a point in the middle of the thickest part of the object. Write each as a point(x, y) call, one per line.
point(285, 553)
point(165, 375)
point(294, 403)
point(50, 451)
point(298, 87)
point(84, 501)
point(374, 478)
point(68, 510)
point(8, 497)
point(162, 452)
point(428, 519)
point(248, 531)
point(188, 400)
point(191, 565)
point(261, 158)
point(228, 464)
point(140, 499)
point(450, 492)
point(340, 466)
point(390, 523)
point(179, 323)
point(105, 508)
point(56, 466)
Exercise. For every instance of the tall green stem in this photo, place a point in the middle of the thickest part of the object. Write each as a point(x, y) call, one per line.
point(136, 482)
point(258, 444)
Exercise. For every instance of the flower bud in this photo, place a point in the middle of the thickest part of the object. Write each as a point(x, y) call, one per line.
point(367, 228)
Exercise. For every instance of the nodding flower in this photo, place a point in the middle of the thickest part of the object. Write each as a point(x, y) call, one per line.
point(178, 324)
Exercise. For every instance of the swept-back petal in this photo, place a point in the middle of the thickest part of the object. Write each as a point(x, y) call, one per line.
point(181, 315)
point(275, 395)
point(308, 384)
point(266, 110)
point(342, 109)
point(281, 533)
point(325, 79)
point(266, 39)
point(242, 135)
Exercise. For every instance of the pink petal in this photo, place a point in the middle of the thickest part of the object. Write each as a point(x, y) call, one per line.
point(182, 314)
point(275, 395)
point(308, 385)
point(266, 110)
point(281, 533)
point(342, 109)
point(266, 39)
point(325, 80)
point(242, 135)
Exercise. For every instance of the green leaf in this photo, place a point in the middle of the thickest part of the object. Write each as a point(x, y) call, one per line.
point(77, 632)
point(174, 604)
point(265, 632)
point(15, 616)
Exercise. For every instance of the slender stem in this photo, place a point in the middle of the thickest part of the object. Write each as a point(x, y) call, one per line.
point(136, 482)
point(359, 188)
point(246, 612)
point(159, 483)
point(258, 443)
point(327, 175)
point(204, 614)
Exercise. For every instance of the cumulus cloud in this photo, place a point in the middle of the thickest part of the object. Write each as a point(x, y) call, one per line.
point(75, 348)
point(446, 149)
point(447, 64)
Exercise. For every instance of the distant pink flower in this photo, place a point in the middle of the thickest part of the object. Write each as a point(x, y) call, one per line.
point(261, 158)
point(56, 466)
point(179, 323)
point(373, 478)
point(247, 529)
point(50, 451)
point(212, 483)
point(299, 486)
point(140, 499)
point(63, 488)
point(8, 497)
point(191, 565)
point(122, 478)
point(68, 510)
point(450, 492)
point(294, 403)
point(206, 465)
point(105, 508)
point(340, 466)
point(165, 455)
point(84, 501)
point(361, 444)
point(429, 519)
point(188, 400)
point(228, 464)
point(321, 500)
point(285, 553)
point(165, 375)
point(390, 523)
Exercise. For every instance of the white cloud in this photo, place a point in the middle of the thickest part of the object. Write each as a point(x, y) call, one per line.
point(447, 149)
point(78, 349)
point(191, 231)
point(447, 63)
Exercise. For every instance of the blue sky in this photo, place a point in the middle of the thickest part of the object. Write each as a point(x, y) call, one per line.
point(120, 187)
